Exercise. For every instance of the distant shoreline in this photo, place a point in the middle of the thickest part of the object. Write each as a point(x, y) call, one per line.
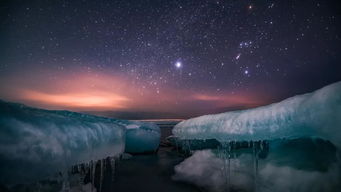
point(159, 120)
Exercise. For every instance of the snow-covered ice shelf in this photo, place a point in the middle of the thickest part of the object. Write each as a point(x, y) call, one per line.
point(316, 114)
point(34, 143)
point(293, 145)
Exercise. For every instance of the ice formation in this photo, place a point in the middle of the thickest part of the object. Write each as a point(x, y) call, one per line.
point(142, 137)
point(208, 170)
point(293, 145)
point(316, 114)
point(35, 143)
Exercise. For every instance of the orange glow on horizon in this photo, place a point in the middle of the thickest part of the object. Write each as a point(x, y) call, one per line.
point(102, 91)
point(227, 100)
point(107, 100)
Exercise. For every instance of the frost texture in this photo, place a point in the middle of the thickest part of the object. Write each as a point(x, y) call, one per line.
point(316, 114)
point(35, 143)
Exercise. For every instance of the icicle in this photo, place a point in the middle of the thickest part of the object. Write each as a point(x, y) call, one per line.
point(112, 163)
point(81, 175)
point(65, 184)
point(39, 186)
point(177, 146)
point(229, 152)
point(224, 152)
point(92, 174)
point(101, 174)
point(189, 147)
point(255, 165)
point(65, 180)
point(185, 146)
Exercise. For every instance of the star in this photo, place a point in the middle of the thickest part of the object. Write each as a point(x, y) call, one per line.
point(178, 64)
point(202, 47)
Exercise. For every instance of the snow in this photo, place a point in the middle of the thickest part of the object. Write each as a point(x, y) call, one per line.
point(35, 143)
point(316, 114)
point(132, 126)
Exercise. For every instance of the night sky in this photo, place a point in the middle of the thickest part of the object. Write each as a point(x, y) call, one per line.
point(180, 58)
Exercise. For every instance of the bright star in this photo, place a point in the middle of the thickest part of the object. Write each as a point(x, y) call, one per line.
point(246, 72)
point(178, 64)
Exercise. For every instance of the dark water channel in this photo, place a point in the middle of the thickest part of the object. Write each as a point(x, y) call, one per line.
point(151, 172)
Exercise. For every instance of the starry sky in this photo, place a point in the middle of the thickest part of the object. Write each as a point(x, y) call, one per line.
point(166, 58)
